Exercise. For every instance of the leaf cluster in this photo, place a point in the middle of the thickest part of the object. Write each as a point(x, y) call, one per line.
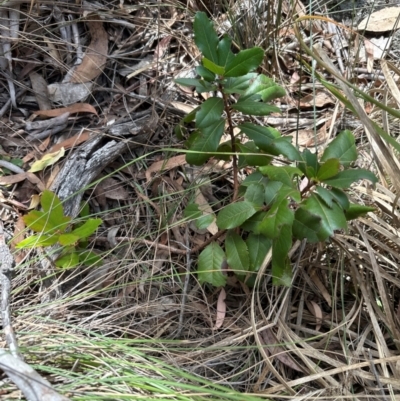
point(53, 227)
point(301, 199)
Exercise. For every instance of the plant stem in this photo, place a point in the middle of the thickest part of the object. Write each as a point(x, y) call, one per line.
point(232, 135)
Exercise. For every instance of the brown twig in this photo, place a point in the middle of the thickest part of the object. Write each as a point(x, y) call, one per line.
point(232, 135)
point(6, 272)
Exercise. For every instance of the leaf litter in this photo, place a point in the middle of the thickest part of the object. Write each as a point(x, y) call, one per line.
point(107, 71)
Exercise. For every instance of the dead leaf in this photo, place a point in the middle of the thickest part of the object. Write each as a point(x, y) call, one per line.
point(320, 99)
point(74, 108)
point(71, 142)
point(316, 311)
point(165, 165)
point(308, 139)
point(35, 201)
point(47, 160)
point(381, 21)
point(13, 179)
point(95, 59)
point(321, 287)
point(33, 179)
point(185, 108)
point(205, 207)
point(112, 189)
point(221, 309)
point(271, 343)
point(161, 48)
point(19, 228)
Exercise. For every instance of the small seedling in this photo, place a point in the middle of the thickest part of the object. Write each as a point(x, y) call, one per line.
point(301, 197)
point(53, 227)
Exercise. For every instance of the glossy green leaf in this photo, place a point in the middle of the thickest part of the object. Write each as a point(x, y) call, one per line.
point(35, 241)
point(255, 108)
point(345, 178)
point(263, 88)
point(38, 221)
point(235, 214)
point(244, 62)
point(258, 247)
point(68, 260)
point(333, 195)
point(310, 164)
point(250, 155)
point(238, 84)
point(205, 73)
point(343, 147)
point(279, 215)
point(340, 197)
point(68, 239)
point(255, 178)
point(237, 254)
point(281, 269)
point(210, 264)
point(255, 195)
point(284, 174)
point(331, 218)
point(210, 112)
point(192, 211)
point(216, 69)
point(306, 225)
point(206, 143)
point(200, 84)
point(325, 195)
point(262, 136)
point(283, 146)
point(225, 147)
point(224, 52)
point(354, 211)
point(85, 210)
point(252, 224)
point(205, 37)
point(271, 191)
point(87, 228)
point(51, 204)
point(190, 116)
point(328, 169)
point(204, 221)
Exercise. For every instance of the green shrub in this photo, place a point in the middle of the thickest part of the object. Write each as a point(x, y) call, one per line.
point(53, 227)
point(301, 197)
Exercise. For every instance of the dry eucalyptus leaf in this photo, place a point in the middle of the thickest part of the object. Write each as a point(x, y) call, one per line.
point(381, 21)
point(320, 99)
point(164, 165)
point(112, 189)
point(74, 108)
point(221, 310)
point(47, 160)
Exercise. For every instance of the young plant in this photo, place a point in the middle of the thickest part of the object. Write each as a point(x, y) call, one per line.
point(53, 227)
point(301, 197)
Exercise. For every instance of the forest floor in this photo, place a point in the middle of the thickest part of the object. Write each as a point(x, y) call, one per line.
point(88, 107)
